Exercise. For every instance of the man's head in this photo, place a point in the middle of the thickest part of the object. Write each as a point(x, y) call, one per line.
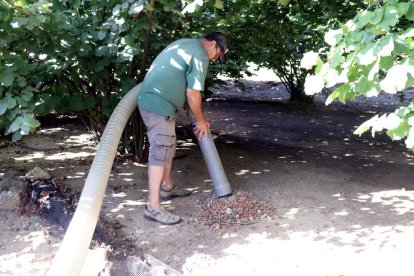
point(219, 41)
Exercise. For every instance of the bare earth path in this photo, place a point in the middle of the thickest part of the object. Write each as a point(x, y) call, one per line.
point(344, 204)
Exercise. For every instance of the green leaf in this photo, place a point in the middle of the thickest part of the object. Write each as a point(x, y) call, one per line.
point(353, 74)
point(332, 97)
point(386, 62)
point(117, 10)
point(76, 4)
point(368, 37)
point(24, 130)
point(15, 125)
point(365, 126)
point(368, 55)
point(364, 18)
point(378, 13)
point(10, 102)
point(400, 46)
point(403, 8)
point(32, 22)
point(345, 93)
point(16, 136)
point(3, 108)
point(101, 35)
point(399, 132)
point(363, 85)
point(136, 7)
point(219, 4)
point(18, 22)
point(101, 51)
point(336, 59)
point(348, 95)
point(20, 3)
point(22, 102)
point(129, 40)
point(11, 114)
point(27, 93)
point(402, 111)
point(356, 37)
point(391, 2)
point(125, 5)
point(7, 77)
point(386, 46)
point(30, 121)
point(410, 13)
point(390, 18)
point(374, 91)
point(373, 71)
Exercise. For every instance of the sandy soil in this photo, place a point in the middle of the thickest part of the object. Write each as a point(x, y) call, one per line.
point(344, 204)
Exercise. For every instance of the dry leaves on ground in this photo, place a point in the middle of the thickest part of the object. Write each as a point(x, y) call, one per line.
point(238, 209)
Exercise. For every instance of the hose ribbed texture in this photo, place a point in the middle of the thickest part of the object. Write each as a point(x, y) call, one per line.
point(72, 252)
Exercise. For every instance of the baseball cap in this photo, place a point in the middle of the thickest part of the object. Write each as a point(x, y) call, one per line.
point(221, 41)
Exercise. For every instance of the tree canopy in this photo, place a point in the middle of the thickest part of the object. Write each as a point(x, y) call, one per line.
point(81, 57)
point(370, 54)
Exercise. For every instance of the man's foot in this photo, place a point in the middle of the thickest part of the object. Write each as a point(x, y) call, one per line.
point(173, 193)
point(161, 215)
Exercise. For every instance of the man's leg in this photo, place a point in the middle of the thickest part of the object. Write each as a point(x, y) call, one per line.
point(161, 134)
point(155, 175)
point(167, 182)
point(168, 189)
point(153, 211)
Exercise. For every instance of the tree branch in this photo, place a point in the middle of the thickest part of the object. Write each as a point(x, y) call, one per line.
point(147, 42)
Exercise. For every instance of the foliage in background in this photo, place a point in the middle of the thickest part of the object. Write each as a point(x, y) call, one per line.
point(71, 56)
point(276, 34)
point(370, 54)
point(80, 57)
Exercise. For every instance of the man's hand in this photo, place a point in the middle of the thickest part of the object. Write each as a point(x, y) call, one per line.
point(202, 125)
point(201, 128)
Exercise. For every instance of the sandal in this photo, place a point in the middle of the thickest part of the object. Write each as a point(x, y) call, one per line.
point(161, 215)
point(173, 193)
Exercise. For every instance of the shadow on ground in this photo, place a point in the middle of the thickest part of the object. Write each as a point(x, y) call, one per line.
point(344, 204)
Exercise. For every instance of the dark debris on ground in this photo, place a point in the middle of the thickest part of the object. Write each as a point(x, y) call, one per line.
point(241, 208)
point(53, 200)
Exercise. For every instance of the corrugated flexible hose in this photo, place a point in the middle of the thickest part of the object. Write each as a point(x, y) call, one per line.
point(72, 252)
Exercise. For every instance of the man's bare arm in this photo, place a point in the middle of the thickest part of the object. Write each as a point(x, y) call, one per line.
point(195, 102)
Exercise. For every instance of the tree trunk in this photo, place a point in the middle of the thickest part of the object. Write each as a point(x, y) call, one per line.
point(298, 95)
point(141, 144)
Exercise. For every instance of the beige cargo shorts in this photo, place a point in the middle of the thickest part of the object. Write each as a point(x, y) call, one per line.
point(161, 136)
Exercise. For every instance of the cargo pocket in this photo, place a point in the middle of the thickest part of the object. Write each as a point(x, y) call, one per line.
point(164, 147)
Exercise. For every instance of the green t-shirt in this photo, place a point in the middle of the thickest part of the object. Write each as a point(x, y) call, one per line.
point(182, 64)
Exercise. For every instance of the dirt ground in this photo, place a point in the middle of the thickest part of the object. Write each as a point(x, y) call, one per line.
point(344, 204)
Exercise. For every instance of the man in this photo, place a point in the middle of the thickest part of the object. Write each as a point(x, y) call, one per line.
point(177, 75)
